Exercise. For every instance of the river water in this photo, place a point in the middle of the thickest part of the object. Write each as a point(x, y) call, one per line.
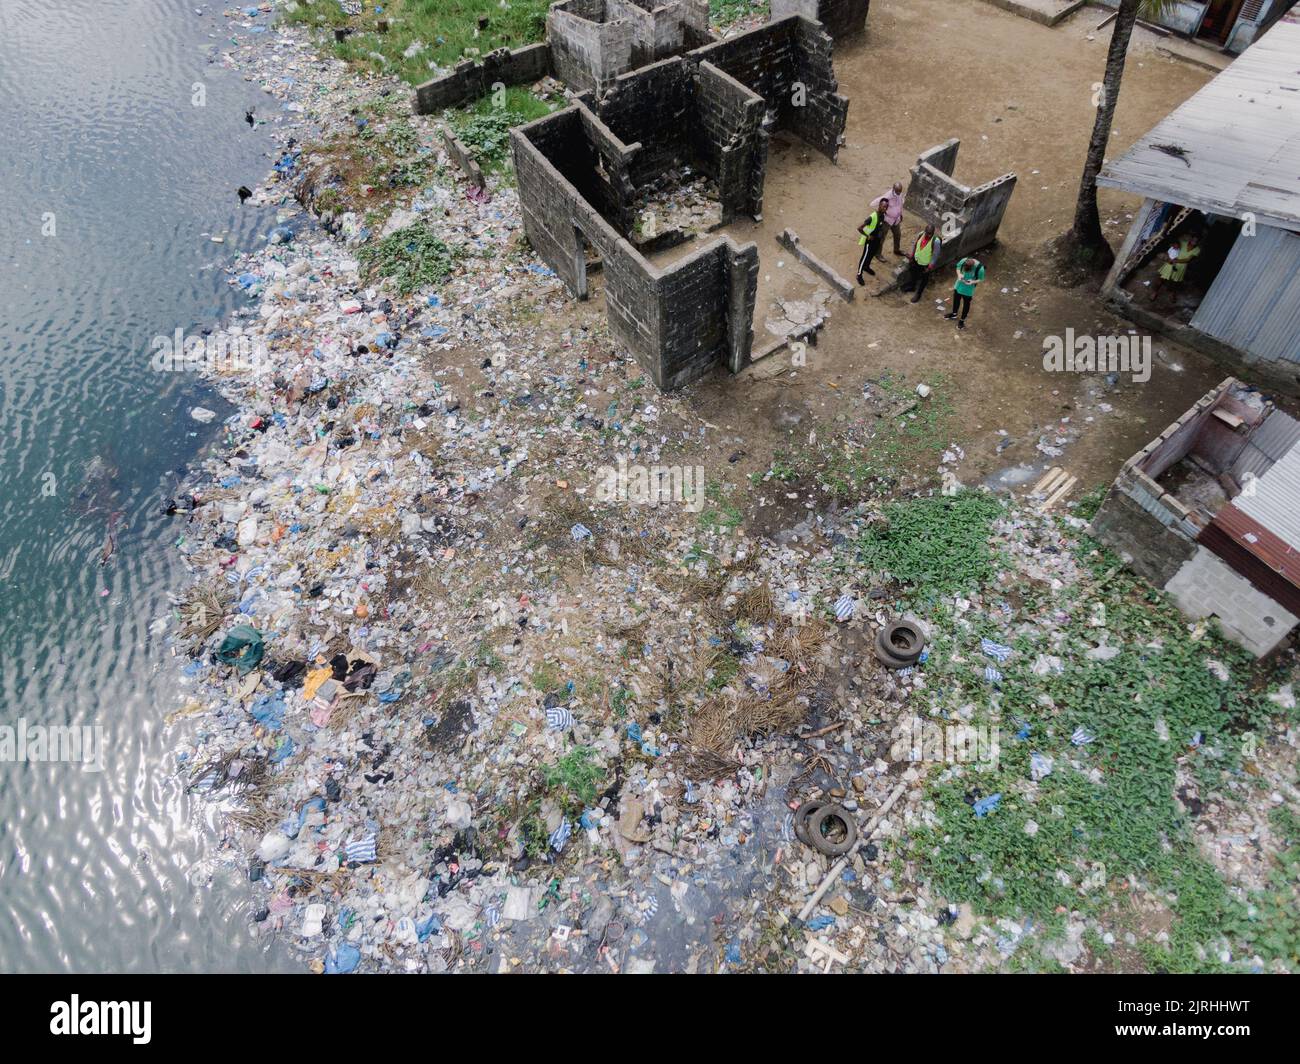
point(124, 140)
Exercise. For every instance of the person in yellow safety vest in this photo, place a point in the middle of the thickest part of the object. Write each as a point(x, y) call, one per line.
point(925, 256)
point(1175, 270)
point(873, 235)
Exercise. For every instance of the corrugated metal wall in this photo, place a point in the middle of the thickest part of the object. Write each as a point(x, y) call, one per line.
point(1254, 303)
point(1279, 433)
point(1275, 501)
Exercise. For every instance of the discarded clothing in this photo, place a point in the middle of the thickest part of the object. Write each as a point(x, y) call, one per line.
point(243, 648)
point(361, 851)
point(1000, 651)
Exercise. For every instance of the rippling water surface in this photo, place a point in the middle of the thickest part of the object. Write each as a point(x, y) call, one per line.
point(111, 180)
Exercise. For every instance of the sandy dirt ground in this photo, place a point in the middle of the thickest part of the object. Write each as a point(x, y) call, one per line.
point(1019, 97)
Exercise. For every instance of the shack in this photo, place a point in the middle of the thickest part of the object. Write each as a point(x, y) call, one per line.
point(1230, 25)
point(1224, 167)
point(1210, 512)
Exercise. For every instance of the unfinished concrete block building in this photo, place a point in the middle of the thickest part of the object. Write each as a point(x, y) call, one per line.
point(1210, 512)
point(582, 172)
point(588, 44)
point(594, 41)
point(967, 218)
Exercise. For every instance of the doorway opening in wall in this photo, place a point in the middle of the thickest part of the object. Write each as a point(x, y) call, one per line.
point(1177, 260)
point(1221, 16)
point(590, 266)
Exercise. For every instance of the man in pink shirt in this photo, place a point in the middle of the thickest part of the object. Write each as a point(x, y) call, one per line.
point(894, 214)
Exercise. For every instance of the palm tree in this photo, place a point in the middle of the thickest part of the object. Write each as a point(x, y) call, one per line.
point(1085, 243)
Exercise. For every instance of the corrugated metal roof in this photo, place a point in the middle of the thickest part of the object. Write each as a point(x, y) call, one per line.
point(1274, 438)
point(1275, 502)
point(1275, 556)
point(1241, 136)
point(1254, 302)
point(1256, 554)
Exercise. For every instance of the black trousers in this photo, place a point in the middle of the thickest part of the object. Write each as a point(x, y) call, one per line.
point(871, 251)
point(897, 230)
point(916, 277)
point(959, 300)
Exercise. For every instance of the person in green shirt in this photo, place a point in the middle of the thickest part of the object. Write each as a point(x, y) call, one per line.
point(1174, 271)
point(970, 272)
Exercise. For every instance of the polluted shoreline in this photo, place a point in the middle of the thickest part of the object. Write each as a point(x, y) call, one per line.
point(474, 697)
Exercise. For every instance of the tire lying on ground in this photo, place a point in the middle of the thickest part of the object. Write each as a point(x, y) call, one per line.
point(801, 816)
point(902, 639)
point(817, 823)
point(899, 645)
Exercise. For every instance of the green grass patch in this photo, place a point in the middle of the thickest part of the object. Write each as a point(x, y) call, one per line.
point(372, 165)
point(397, 158)
point(724, 671)
point(1090, 502)
point(447, 30)
point(546, 678)
point(723, 13)
point(484, 128)
point(573, 779)
point(937, 545)
point(411, 258)
point(1107, 810)
point(719, 514)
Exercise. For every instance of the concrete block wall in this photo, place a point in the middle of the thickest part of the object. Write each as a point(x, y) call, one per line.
point(943, 157)
point(587, 51)
point(1206, 586)
point(983, 212)
point(717, 105)
point(1219, 444)
point(471, 81)
point(594, 41)
point(775, 60)
point(679, 322)
point(1150, 528)
point(662, 28)
point(1180, 437)
point(821, 121)
point(762, 60)
point(606, 181)
point(557, 218)
point(651, 108)
point(590, 43)
point(1132, 521)
point(842, 18)
point(728, 140)
point(967, 218)
point(705, 306)
point(1166, 508)
point(464, 159)
point(1172, 445)
point(1198, 432)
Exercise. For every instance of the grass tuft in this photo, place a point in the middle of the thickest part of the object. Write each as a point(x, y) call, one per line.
point(411, 258)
